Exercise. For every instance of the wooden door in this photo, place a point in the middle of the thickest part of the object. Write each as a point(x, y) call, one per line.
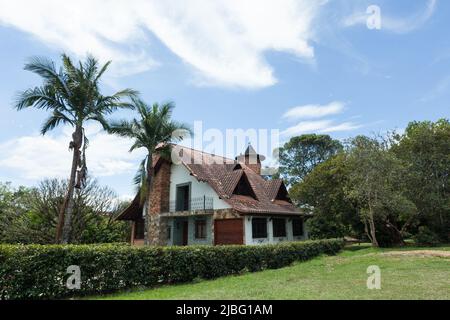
point(229, 231)
point(185, 233)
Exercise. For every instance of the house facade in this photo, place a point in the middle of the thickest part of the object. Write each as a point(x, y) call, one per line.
point(200, 198)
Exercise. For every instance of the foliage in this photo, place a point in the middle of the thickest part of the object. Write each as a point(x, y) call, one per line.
point(375, 184)
point(425, 150)
point(426, 237)
point(72, 94)
point(340, 277)
point(153, 131)
point(334, 215)
point(30, 215)
point(300, 155)
point(39, 272)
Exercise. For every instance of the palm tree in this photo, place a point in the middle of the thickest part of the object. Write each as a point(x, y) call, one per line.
point(73, 96)
point(154, 131)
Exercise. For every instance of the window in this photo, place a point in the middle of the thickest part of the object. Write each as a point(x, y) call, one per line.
point(200, 229)
point(297, 227)
point(279, 227)
point(139, 228)
point(259, 228)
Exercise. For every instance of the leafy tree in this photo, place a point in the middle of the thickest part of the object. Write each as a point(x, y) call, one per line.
point(334, 215)
point(300, 155)
point(425, 150)
point(33, 214)
point(153, 131)
point(73, 96)
point(375, 184)
point(11, 207)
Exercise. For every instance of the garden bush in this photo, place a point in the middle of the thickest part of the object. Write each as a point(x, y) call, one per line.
point(426, 237)
point(40, 271)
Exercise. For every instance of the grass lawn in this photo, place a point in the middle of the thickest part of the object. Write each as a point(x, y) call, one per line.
point(405, 274)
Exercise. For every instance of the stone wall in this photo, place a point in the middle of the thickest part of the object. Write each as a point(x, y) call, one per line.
point(159, 202)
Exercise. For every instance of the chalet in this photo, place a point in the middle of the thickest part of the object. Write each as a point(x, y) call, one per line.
point(206, 199)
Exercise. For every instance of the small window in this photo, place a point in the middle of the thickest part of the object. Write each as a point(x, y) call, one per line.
point(279, 227)
point(139, 228)
point(200, 229)
point(259, 228)
point(297, 227)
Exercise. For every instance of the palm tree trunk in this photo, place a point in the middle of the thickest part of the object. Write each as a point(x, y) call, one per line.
point(65, 213)
point(148, 200)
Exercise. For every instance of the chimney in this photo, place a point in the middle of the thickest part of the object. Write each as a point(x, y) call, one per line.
point(251, 159)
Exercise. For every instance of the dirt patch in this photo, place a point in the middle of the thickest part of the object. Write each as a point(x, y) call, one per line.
point(422, 253)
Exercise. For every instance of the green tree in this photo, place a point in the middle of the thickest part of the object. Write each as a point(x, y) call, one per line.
point(33, 214)
point(334, 215)
point(153, 131)
point(376, 185)
point(425, 150)
point(300, 155)
point(73, 96)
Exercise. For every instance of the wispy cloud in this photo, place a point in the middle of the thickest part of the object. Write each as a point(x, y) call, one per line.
point(35, 157)
point(319, 126)
point(224, 41)
point(314, 111)
point(398, 25)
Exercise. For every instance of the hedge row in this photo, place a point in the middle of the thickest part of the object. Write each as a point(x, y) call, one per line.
point(40, 272)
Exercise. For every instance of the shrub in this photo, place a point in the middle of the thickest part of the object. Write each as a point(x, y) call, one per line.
point(40, 271)
point(426, 237)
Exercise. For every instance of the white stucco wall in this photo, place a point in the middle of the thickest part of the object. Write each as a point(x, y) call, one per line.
point(270, 239)
point(180, 175)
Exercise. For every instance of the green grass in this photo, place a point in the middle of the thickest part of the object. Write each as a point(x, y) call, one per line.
point(327, 277)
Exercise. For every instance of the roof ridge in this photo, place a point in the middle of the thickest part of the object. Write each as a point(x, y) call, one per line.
point(203, 152)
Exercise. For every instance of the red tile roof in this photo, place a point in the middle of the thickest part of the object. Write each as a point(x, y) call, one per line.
point(223, 175)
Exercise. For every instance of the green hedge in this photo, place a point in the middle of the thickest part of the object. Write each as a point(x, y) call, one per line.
point(39, 272)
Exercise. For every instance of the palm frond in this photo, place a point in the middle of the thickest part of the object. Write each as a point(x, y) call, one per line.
point(46, 69)
point(53, 121)
point(39, 97)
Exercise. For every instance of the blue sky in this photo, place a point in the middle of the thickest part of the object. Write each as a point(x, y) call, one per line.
point(230, 65)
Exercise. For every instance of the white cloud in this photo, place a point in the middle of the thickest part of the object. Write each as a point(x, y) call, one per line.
point(314, 111)
point(395, 24)
point(36, 157)
point(224, 40)
point(319, 126)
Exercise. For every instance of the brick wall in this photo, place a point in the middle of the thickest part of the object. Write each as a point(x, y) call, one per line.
point(159, 203)
point(161, 189)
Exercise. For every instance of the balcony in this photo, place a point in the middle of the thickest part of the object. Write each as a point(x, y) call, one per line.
point(204, 203)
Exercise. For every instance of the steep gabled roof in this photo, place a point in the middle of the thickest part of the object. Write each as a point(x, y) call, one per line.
point(223, 175)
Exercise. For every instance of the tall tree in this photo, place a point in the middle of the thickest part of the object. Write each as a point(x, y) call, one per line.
point(375, 184)
point(322, 190)
point(153, 131)
point(73, 96)
point(425, 149)
point(300, 155)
